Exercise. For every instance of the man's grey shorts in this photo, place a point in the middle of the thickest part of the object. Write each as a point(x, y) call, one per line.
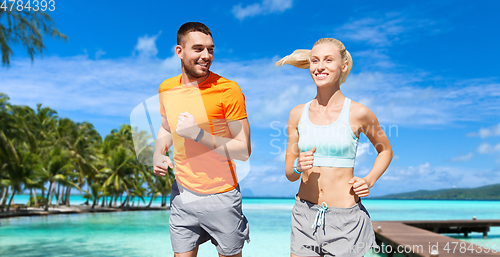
point(344, 232)
point(195, 218)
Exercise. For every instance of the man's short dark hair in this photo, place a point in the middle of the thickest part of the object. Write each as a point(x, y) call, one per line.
point(190, 27)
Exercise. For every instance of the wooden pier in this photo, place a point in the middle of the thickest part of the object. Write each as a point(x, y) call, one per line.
point(421, 238)
point(456, 226)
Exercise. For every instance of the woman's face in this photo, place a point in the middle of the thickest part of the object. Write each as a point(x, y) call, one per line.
point(326, 64)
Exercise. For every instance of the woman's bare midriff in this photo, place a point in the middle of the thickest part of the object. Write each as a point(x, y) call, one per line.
point(329, 185)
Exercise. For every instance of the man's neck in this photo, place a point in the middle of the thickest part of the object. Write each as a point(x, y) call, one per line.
point(191, 81)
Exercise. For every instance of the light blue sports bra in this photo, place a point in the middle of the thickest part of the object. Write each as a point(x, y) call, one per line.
point(336, 144)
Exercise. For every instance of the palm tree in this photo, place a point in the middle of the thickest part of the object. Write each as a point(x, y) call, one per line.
point(57, 168)
point(164, 185)
point(27, 28)
point(42, 125)
point(5, 126)
point(119, 169)
point(82, 141)
point(18, 150)
point(139, 191)
point(38, 148)
point(144, 146)
point(94, 194)
point(19, 168)
point(144, 149)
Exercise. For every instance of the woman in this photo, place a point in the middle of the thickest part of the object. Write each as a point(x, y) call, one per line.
point(323, 134)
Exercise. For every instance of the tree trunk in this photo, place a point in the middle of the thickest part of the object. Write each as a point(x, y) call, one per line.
point(4, 198)
point(29, 199)
point(103, 201)
point(43, 196)
point(61, 193)
point(58, 187)
point(34, 197)
point(50, 194)
point(110, 201)
point(11, 198)
point(151, 201)
point(46, 203)
point(88, 188)
point(116, 199)
point(93, 203)
point(125, 201)
point(68, 195)
point(1, 193)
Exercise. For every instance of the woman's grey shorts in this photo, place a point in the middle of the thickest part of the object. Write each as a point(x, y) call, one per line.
point(195, 218)
point(342, 231)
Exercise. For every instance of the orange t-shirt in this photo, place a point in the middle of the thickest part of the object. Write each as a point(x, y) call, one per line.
point(213, 103)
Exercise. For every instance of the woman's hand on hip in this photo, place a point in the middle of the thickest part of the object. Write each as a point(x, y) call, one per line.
point(359, 186)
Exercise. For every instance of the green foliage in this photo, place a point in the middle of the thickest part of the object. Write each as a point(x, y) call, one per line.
point(40, 200)
point(26, 28)
point(37, 148)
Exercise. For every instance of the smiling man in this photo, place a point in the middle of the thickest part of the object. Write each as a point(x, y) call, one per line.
point(204, 118)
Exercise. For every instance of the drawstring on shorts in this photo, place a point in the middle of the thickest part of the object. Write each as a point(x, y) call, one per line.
point(320, 216)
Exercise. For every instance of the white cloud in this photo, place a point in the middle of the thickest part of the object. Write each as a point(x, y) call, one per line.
point(248, 11)
point(116, 86)
point(486, 132)
point(265, 7)
point(462, 158)
point(384, 30)
point(486, 148)
point(376, 58)
point(102, 87)
point(363, 148)
point(409, 98)
point(99, 54)
point(171, 63)
point(94, 88)
point(280, 158)
point(146, 46)
point(361, 172)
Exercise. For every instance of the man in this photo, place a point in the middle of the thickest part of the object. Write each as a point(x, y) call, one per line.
point(204, 117)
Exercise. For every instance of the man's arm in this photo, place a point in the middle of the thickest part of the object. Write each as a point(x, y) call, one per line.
point(163, 143)
point(237, 146)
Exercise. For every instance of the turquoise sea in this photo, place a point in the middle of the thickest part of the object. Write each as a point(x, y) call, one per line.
point(146, 233)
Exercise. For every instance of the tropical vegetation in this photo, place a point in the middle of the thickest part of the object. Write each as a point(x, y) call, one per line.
point(27, 28)
point(51, 157)
point(489, 192)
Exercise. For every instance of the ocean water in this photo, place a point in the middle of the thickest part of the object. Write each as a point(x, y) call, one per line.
point(146, 233)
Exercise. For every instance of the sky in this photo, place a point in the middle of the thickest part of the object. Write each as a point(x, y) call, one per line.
point(427, 69)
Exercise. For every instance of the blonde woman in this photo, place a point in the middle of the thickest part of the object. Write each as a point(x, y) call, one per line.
point(328, 218)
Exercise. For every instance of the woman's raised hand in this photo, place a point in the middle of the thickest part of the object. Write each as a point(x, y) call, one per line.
point(306, 160)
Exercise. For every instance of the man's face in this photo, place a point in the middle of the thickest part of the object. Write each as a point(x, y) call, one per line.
point(196, 54)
